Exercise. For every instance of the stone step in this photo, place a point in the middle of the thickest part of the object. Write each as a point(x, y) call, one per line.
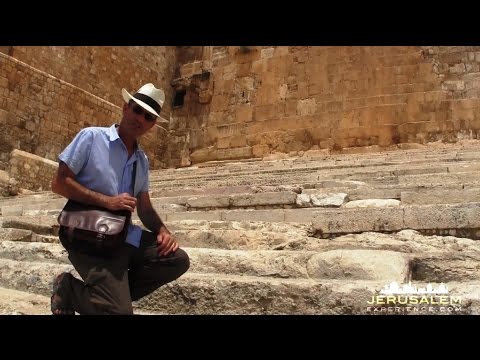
point(41, 225)
point(304, 216)
point(464, 178)
point(406, 193)
point(24, 235)
point(46, 207)
point(457, 174)
point(333, 169)
point(442, 219)
point(281, 236)
point(376, 178)
point(237, 239)
point(195, 232)
point(334, 264)
point(196, 293)
point(440, 195)
point(447, 266)
point(207, 294)
point(15, 302)
point(28, 198)
point(309, 175)
point(159, 192)
point(394, 257)
point(286, 166)
point(462, 220)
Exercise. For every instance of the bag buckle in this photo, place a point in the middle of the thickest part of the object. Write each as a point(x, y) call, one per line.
point(102, 229)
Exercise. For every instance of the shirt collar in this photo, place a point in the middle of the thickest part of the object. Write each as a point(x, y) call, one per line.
point(113, 135)
point(112, 132)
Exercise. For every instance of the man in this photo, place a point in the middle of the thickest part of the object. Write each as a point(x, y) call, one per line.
point(96, 168)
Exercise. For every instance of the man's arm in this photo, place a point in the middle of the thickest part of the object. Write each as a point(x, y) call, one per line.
point(149, 217)
point(65, 184)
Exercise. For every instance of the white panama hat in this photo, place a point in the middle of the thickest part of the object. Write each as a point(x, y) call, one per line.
point(148, 97)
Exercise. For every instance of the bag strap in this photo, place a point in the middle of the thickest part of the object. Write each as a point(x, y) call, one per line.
point(134, 175)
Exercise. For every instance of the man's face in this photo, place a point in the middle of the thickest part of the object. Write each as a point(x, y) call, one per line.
point(136, 119)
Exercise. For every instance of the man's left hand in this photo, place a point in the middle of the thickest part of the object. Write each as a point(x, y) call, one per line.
point(166, 243)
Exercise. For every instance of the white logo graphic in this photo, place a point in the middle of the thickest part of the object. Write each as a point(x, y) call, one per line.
point(406, 298)
point(394, 288)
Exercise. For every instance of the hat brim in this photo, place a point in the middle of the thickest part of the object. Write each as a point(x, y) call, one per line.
point(127, 97)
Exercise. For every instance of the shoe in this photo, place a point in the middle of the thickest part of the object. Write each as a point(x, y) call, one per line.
point(58, 304)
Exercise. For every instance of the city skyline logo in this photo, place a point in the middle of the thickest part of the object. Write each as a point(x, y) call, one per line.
point(409, 298)
point(395, 288)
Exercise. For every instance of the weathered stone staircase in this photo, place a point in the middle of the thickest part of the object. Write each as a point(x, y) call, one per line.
point(317, 234)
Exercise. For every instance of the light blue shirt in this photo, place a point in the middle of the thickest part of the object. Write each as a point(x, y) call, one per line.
point(99, 159)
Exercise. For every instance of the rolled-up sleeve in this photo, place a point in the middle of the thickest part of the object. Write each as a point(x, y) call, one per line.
point(76, 154)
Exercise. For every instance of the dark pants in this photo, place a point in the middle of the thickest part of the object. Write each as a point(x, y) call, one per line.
point(111, 284)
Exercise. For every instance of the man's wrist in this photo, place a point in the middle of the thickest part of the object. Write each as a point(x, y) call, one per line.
point(162, 228)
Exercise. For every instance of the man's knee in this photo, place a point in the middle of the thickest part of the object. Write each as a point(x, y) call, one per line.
point(183, 261)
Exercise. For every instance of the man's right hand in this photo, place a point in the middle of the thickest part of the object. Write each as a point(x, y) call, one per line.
point(123, 201)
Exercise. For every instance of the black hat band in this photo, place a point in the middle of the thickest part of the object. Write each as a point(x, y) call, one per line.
point(149, 101)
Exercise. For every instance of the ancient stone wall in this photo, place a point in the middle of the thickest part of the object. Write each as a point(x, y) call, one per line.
point(230, 102)
point(31, 172)
point(103, 70)
point(242, 102)
point(40, 113)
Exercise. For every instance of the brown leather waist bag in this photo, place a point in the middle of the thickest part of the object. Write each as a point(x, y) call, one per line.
point(92, 229)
